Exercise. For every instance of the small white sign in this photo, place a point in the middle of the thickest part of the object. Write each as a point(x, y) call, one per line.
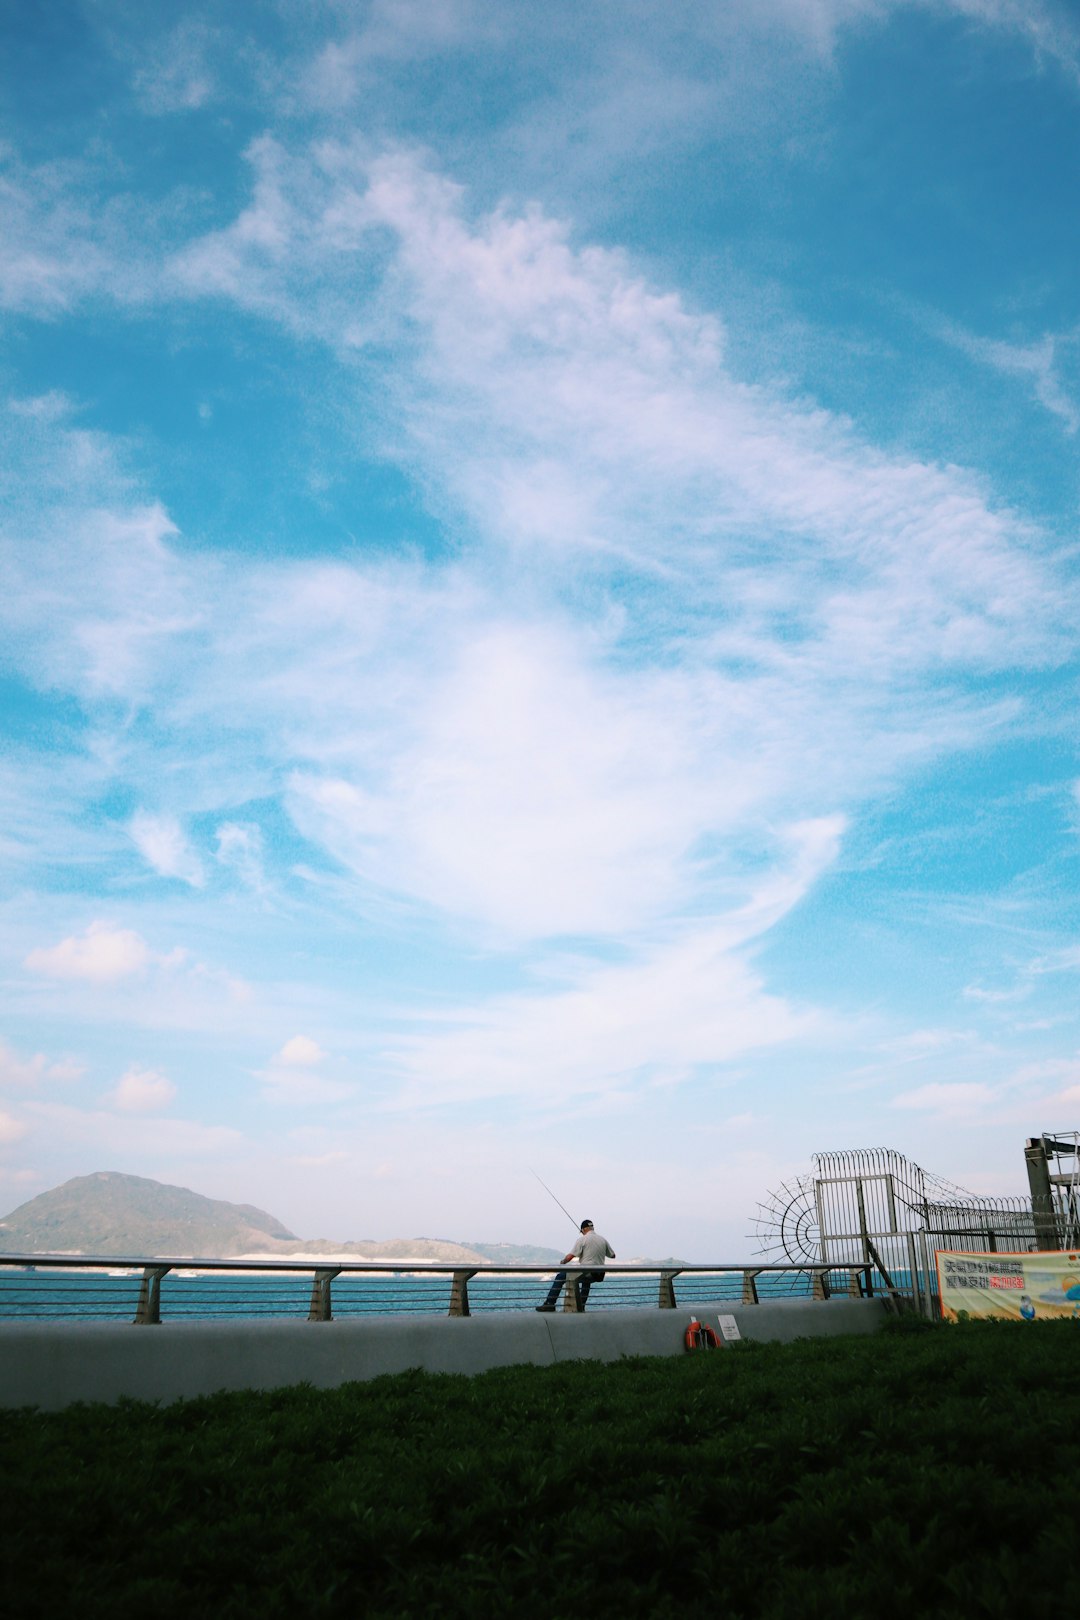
point(729, 1328)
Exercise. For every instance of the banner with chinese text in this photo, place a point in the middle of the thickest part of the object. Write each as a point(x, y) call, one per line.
point(1020, 1287)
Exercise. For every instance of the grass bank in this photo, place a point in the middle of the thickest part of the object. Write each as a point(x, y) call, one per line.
point(928, 1471)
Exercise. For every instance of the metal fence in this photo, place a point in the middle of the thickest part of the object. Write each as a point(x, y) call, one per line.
point(36, 1287)
point(875, 1206)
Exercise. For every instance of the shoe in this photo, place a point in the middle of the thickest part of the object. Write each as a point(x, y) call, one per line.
point(545, 1307)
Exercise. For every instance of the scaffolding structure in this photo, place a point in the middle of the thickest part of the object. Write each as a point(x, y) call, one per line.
point(1053, 1167)
point(874, 1206)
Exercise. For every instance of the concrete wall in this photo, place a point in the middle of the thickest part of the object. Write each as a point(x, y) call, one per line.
point(51, 1364)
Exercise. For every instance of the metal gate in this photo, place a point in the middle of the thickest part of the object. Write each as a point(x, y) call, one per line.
point(873, 1206)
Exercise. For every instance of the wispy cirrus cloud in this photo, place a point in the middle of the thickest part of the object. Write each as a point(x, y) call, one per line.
point(71, 234)
point(240, 849)
point(950, 1100)
point(685, 1005)
point(176, 75)
point(572, 362)
point(688, 615)
point(1035, 363)
point(658, 697)
point(1047, 26)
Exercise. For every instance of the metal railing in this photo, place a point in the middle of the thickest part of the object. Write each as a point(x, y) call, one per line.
point(39, 1287)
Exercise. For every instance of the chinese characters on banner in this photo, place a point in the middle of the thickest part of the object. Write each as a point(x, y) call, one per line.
point(1020, 1287)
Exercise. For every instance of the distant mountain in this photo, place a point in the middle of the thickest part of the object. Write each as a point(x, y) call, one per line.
point(403, 1249)
point(517, 1254)
point(130, 1215)
point(111, 1214)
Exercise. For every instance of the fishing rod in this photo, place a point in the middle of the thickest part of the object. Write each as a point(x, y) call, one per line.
point(550, 1194)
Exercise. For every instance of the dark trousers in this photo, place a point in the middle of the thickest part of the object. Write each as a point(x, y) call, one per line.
point(582, 1283)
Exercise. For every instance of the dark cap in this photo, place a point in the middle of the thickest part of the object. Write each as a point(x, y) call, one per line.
point(584, 1224)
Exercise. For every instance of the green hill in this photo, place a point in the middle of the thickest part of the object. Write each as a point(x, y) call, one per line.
point(112, 1214)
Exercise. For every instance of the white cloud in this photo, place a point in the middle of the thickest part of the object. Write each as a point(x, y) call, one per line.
point(141, 1091)
point(69, 233)
point(256, 245)
point(143, 1141)
point(28, 1074)
point(666, 463)
point(240, 848)
point(24, 1176)
point(951, 1101)
point(606, 782)
point(1062, 1071)
point(54, 406)
point(101, 955)
point(292, 1085)
point(1050, 29)
point(11, 1129)
point(292, 1079)
point(94, 595)
point(1066, 959)
point(404, 31)
point(678, 1009)
point(1035, 363)
point(618, 769)
point(693, 1007)
point(527, 767)
point(170, 987)
point(975, 992)
point(595, 721)
point(174, 76)
point(238, 991)
point(163, 844)
point(300, 1052)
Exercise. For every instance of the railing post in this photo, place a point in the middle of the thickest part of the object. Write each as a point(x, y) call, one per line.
point(148, 1310)
point(913, 1272)
point(321, 1309)
point(821, 1282)
point(930, 1274)
point(749, 1288)
point(667, 1290)
point(854, 1287)
point(570, 1299)
point(459, 1294)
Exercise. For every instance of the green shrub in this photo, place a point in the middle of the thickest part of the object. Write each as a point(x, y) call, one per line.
point(922, 1471)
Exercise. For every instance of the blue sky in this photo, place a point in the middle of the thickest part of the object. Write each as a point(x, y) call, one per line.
point(539, 603)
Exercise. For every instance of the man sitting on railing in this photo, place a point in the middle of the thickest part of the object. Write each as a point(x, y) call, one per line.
point(592, 1250)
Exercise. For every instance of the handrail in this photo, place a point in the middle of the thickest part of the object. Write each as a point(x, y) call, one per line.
point(858, 1278)
point(311, 1262)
